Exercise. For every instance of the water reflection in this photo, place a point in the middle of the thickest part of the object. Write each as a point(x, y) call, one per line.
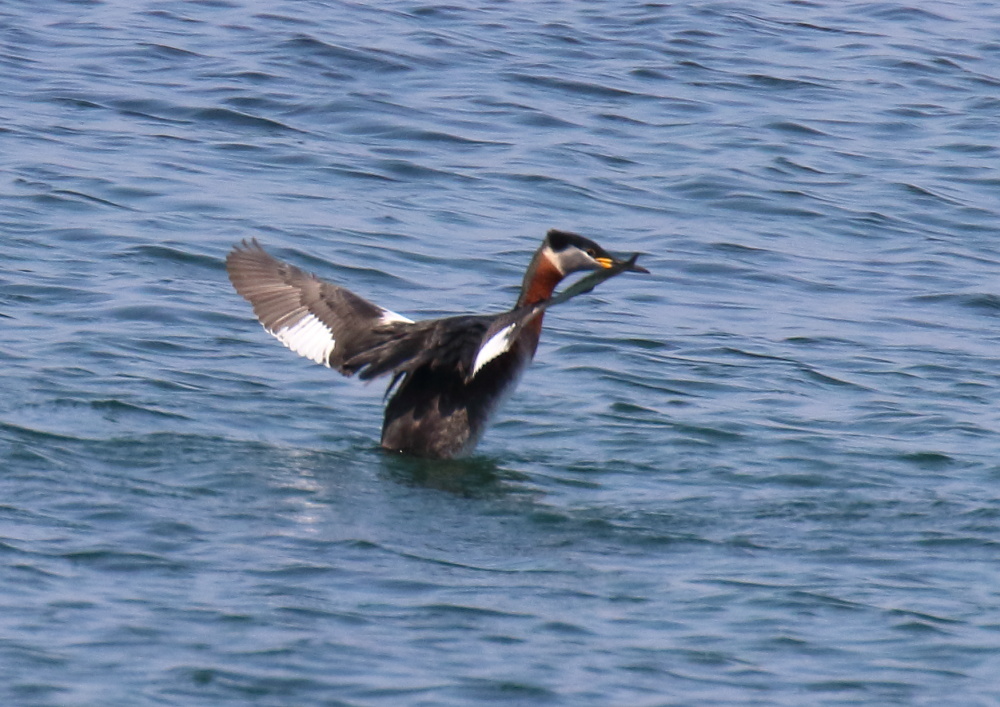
point(472, 477)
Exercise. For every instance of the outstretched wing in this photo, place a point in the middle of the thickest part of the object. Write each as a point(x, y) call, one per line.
point(315, 319)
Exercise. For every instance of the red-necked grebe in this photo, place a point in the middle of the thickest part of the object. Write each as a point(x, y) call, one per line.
point(448, 375)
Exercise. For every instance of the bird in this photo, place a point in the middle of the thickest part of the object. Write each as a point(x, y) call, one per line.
point(448, 375)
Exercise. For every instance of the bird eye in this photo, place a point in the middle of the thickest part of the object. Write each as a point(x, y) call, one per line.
point(591, 252)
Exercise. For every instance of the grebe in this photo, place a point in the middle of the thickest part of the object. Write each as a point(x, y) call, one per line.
point(448, 375)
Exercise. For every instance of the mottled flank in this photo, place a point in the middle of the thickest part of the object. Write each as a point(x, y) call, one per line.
point(765, 475)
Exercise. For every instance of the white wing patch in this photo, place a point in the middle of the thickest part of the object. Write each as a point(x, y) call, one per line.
point(308, 337)
point(497, 344)
point(390, 317)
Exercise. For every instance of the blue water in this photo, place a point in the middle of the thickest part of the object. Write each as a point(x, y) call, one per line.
point(766, 474)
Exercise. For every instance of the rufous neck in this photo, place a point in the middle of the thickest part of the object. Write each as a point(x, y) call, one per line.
point(540, 279)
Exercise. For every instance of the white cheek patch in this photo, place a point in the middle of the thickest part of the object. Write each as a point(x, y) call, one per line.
point(308, 337)
point(496, 345)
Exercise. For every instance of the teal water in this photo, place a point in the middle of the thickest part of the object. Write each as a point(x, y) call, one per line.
point(764, 475)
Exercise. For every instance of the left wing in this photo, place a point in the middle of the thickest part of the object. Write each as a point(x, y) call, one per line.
point(323, 322)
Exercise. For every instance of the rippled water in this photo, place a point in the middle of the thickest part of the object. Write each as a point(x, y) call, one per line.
point(767, 474)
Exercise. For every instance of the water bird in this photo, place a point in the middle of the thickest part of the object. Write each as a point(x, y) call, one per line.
point(448, 375)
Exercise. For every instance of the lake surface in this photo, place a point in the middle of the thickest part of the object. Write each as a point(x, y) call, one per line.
point(766, 474)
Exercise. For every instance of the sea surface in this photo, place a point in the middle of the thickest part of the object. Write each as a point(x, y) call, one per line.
point(766, 474)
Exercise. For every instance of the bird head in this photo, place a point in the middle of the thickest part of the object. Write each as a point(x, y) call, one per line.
point(570, 252)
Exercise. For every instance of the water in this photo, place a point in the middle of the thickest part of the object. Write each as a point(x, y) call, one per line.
point(764, 475)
